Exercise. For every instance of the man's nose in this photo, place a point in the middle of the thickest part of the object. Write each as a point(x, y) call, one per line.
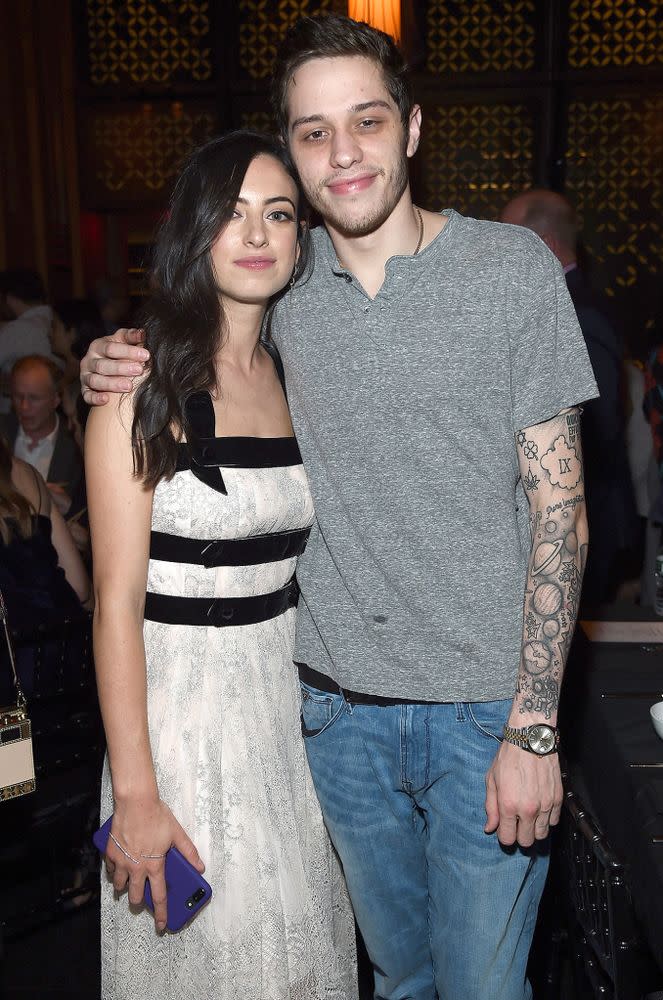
point(345, 150)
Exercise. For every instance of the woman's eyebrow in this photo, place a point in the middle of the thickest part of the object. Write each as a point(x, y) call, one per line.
point(270, 201)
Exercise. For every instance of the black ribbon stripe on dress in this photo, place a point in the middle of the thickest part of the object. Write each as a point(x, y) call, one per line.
point(204, 453)
point(250, 551)
point(220, 611)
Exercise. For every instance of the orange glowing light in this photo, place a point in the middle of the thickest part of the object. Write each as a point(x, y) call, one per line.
point(382, 14)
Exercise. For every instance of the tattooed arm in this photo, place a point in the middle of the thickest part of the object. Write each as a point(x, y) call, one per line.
point(523, 791)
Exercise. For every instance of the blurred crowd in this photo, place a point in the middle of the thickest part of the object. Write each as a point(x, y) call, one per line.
point(44, 534)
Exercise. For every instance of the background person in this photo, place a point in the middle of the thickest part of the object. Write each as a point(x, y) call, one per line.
point(610, 499)
point(36, 432)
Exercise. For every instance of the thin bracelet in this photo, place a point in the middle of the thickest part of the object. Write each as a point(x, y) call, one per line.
point(117, 843)
point(135, 861)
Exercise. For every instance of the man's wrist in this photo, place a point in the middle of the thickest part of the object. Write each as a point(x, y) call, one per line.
point(540, 738)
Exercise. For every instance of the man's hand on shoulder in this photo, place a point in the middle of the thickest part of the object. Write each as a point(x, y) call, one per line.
point(110, 365)
point(523, 795)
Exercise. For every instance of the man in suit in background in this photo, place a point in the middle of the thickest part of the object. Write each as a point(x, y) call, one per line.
point(610, 502)
point(35, 431)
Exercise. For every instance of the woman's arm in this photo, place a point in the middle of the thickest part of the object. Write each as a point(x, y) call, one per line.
point(28, 482)
point(69, 559)
point(120, 511)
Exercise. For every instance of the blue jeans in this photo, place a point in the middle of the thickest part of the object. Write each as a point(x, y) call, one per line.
point(444, 910)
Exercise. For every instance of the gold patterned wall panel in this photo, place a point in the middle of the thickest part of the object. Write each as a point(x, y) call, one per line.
point(614, 176)
point(480, 35)
point(132, 153)
point(262, 121)
point(148, 41)
point(474, 157)
point(263, 24)
point(605, 33)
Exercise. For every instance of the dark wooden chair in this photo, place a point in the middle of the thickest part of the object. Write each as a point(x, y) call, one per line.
point(608, 955)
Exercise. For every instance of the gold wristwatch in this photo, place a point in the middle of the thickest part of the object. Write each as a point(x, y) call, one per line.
point(540, 738)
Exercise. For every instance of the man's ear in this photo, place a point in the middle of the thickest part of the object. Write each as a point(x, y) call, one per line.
point(414, 130)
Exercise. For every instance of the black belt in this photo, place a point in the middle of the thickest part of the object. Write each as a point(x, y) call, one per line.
point(220, 611)
point(228, 551)
point(323, 683)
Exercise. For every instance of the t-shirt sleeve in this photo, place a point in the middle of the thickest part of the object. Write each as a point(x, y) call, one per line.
point(550, 366)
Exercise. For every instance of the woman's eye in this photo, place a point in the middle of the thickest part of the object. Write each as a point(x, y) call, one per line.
point(280, 215)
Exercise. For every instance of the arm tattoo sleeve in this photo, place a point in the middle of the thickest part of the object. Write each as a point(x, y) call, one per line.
point(551, 467)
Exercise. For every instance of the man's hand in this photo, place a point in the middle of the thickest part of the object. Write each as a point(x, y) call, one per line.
point(110, 364)
point(523, 795)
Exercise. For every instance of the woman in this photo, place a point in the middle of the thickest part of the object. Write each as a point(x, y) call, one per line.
point(41, 573)
point(200, 701)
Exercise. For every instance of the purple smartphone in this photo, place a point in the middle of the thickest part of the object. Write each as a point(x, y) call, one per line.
point(186, 889)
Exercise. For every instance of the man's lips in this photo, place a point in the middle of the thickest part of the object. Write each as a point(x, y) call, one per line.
point(255, 263)
point(353, 185)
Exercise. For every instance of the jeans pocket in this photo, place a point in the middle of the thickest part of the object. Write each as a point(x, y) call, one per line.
point(319, 710)
point(489, 717)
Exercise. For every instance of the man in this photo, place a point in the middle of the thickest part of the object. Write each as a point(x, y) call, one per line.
point(610, 501)
point(30, 330)
point(433, 363)
point(35, 431)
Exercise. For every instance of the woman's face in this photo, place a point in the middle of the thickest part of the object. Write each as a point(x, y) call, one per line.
point(254, 255)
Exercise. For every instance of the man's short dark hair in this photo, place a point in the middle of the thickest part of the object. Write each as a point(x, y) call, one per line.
point(327, 36)
point(23, 284)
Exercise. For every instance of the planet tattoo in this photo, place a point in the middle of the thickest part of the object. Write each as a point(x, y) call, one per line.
point(550, 628)
point(547, 599)
point(547, 557)
point(571, 542)
point(537, 657)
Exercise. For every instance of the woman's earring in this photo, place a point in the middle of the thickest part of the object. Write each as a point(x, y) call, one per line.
point(292, 281)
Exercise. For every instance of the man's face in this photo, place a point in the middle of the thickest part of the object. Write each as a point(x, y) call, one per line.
point(348, 142)
point(35, 400)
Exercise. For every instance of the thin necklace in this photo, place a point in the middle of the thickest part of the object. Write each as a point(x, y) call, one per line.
point(421, 231)
point(419, 241)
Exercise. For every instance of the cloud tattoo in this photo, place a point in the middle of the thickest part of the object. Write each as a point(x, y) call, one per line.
point(562, 464)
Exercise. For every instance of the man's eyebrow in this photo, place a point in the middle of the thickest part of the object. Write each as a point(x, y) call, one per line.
point(355, 109)
point(270, 201)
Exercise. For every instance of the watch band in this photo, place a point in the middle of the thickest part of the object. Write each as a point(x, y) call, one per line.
point(529, 738)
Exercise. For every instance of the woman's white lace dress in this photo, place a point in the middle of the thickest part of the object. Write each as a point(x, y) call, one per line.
point(223, 706)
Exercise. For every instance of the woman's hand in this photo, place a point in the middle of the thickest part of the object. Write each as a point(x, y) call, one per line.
point(110, 364)
point(145, 832)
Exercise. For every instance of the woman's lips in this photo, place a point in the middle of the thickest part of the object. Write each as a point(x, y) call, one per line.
point(352, 186)
point(255, 263)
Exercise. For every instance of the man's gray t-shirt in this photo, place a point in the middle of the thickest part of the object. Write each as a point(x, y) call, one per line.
point(405, 408)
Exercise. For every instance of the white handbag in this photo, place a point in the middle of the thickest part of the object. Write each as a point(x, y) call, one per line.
point(17, 766)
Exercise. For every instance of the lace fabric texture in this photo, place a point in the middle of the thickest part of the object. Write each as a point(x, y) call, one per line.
point(223, 707)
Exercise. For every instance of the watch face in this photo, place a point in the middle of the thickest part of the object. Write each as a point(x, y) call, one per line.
point(541, 739)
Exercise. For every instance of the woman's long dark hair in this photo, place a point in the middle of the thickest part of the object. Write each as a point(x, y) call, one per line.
point(15, 510)
point(184, 322)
